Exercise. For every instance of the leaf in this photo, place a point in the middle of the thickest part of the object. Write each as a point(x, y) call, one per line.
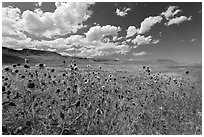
point(69, 132)
point(12, 104)
point(62, 115)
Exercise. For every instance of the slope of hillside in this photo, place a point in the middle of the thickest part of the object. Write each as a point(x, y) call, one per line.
point(11, 56)
point(11, 59)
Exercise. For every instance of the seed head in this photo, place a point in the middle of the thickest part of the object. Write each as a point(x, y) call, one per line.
point(31, 85)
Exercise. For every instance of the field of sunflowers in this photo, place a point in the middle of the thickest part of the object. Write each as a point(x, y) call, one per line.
point(76, 101)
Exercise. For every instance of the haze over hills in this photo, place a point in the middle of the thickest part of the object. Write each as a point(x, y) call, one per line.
point(10, 56)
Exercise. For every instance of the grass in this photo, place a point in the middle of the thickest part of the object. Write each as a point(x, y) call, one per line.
point(95, 101)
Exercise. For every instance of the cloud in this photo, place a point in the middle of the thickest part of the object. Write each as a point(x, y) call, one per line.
point(103, 49)
point(147, 23)
point(38, 4)
point(96, 42)
point(145, 26)
point(51, 49)
point(141, 40)
point(171, 12)
point(17, 44)
point(128, 40)
point(192, 40)
point(10, 24)
point(67, 18)
point(11, 13)
point(123, 12)
point(39, 25)
point(80, 45)
point(131, 31)
point(139, 54)
point(178, 20)
point(96, 33)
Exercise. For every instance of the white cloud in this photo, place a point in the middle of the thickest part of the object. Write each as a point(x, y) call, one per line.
point(59, 43)
point(96, 33)
point(67, 18)
point(112, 48)
point(155, 41)
point(78, 40)
point(171, 12)
point(141, 40)
point(115, 38)
point(131, 31)
point(39, 25)
point(49, 24)
point(147, 23)
point(139, 54)
point(178, 20)
point(128, 40)
point(10, 24)
point(192, 40)
point(38, 4)
point(79, 45)
point(70, 16)
point(101, 50)
point(11, 13)
point(51, 49)
point(123, 12)
point(145, 26)
point(16, 43)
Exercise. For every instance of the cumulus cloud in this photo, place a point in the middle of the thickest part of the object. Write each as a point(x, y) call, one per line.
point(145, 26)
point(80, 45)
point(139, 54)
point(59, 43)
point(101, 50)
point(98, 41)
point(131, 31)
point(178, 20)
point(67, 18)
point(122, 12)
point(141, 40)
point(17, 44)
point(171, 12)
point(98, 32)
point(39, 25)
point(38, 4)
point(147, 23)
point(10, 24)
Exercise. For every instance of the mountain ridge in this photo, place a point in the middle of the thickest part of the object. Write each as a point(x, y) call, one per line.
point(10, 56)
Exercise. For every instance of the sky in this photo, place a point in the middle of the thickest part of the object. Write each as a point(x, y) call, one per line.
point(123, 30)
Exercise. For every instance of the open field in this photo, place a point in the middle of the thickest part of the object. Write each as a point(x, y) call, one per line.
point(114, 98)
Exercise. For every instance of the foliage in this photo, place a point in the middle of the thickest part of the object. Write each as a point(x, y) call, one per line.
point(72, 101)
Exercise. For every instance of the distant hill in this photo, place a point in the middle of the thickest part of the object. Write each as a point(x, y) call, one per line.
point(166, 62)
point(11, 59)
point(28, 52)
point(10, 56)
